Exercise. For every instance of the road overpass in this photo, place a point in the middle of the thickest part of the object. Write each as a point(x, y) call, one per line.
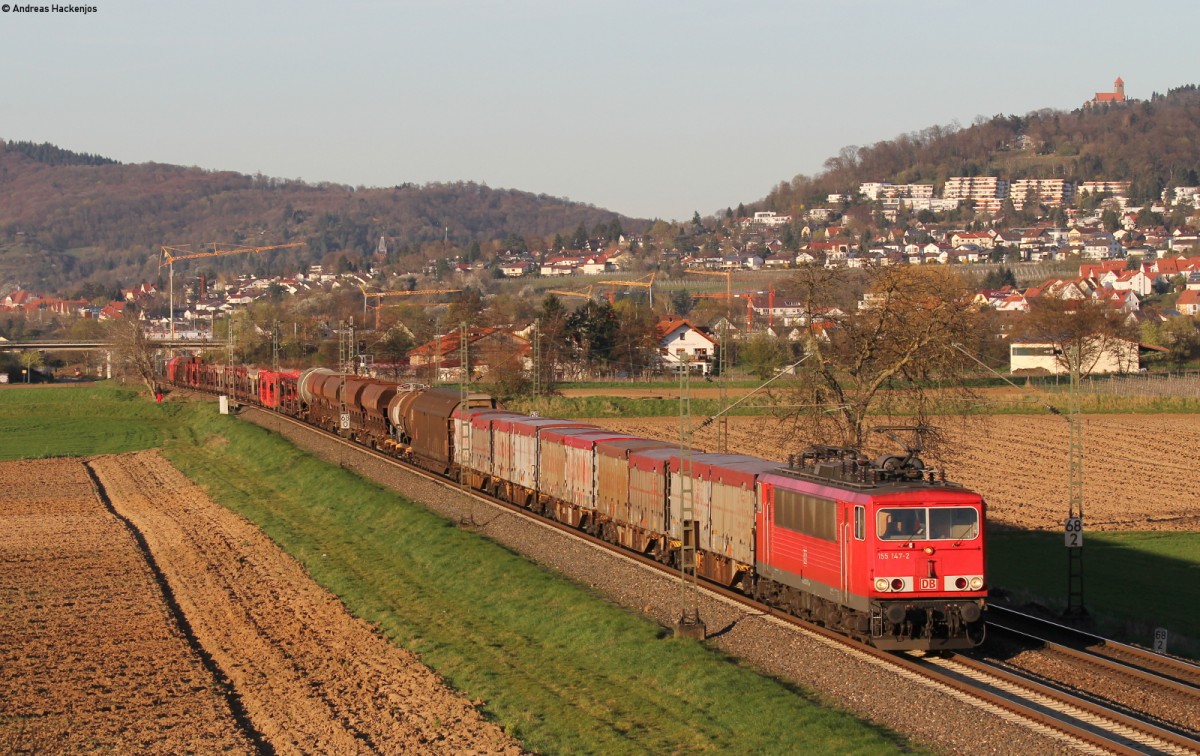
point(86, 345)
point(82, 345)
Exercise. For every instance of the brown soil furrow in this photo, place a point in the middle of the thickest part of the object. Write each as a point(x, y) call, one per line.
point(90, 657)
point(310, 676)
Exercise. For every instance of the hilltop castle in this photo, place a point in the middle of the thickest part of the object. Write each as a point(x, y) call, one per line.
point(1115, 97)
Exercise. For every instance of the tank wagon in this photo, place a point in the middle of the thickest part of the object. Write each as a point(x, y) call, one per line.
point(882, 550)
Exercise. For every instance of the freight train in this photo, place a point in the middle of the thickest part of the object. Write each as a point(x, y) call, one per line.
point(881, 550)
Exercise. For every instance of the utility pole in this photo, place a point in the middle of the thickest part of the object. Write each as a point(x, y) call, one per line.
point(230, 339)
point(345, 365)
point(1074, 525)
point(275, 346)
point(689, 625)
point(464, 389)
point(537, 360)
point(722, 388)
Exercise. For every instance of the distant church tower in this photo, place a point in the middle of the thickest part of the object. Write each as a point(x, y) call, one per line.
point(381, 249)
point(1115, 97)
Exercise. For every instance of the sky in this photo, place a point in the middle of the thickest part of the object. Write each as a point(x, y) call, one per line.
point(649, 108)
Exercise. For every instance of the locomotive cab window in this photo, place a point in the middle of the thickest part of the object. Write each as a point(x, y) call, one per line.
point(860, 523)
point(953, 523)
point(933, 524)
point(900, 524)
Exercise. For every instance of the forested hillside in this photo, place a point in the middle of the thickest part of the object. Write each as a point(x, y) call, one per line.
point(1154, 143)
point(67, 217)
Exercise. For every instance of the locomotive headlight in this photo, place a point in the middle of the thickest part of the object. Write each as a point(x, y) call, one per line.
point(960, 583)
point(881, 584)
point(897, 584)
point(976, 583)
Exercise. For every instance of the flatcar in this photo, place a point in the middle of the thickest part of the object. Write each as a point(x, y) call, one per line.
point(882, 550)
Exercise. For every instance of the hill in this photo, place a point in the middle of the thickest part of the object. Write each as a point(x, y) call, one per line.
point(1153, 143)
point(67, 217)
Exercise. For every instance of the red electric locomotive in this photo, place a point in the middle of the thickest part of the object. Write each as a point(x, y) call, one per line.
point(879, 550)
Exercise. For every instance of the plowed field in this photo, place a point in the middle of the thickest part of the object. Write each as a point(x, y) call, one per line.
point(1139, 470)
point(139, 616)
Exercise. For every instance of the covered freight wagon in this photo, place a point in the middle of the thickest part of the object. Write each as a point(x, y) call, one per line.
point(724, 505)
point(649, 492)
point(515, 457)
point(612, 488)
point(566, 470)
point(474, 438)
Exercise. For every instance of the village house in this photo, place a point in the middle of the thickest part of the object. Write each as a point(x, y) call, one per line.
point(594, 265)
point(516, 268)
point(1045, 358)
point(1128, 280)
point(487, 348)
point(766, 219)
point(681, 343)
point(561, 265)
point(1189, 302)
point(1101, 247)
point(981, 239)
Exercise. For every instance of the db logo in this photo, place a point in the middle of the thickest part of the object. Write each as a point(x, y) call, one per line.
point(929, 584)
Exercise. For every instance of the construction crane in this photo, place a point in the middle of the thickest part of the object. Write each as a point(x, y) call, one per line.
point(169, 254)
point(585, 293)
point(380, 295)
point(645, 282)
point(750, 302)
point(728, 280)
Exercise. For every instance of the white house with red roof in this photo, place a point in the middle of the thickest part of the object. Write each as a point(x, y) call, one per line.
point(1097, 269)
point(680, 342)
point(561, 265)
point(1128, 280)
point(112, 311)
point(594, 265)
point(1125, 301)
point(142, 291)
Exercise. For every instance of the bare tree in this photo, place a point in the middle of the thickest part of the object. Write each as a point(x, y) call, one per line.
point(896, 354)
point(132, 351)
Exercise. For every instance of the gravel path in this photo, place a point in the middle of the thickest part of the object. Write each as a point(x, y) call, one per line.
point(868, 689)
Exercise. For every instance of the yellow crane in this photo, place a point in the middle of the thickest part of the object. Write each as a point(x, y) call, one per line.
point(585, 293)
point(645, 282)
point(381, 295)
point(169, 254)
point(728, 280)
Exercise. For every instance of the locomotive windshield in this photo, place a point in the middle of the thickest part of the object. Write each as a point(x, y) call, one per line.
point(932, 524)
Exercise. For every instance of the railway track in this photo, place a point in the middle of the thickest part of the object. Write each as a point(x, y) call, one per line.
point(1081, 723)
point(1168, 672)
